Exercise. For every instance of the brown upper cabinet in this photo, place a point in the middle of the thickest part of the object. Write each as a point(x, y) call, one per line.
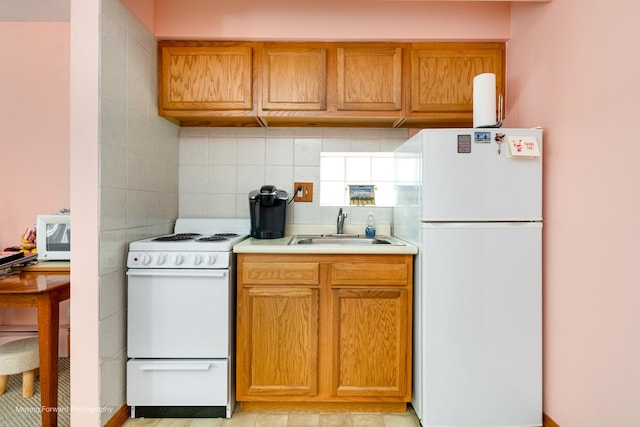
point(331, 84)
point(369, 78)
point(442, 80)
point(294, 78)
point(206, 82)
point(323, 83)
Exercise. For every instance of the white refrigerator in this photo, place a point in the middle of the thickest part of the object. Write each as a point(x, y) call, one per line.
point(471, 200)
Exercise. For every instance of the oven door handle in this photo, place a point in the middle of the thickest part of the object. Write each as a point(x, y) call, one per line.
point(177, 272)
point(176, 367)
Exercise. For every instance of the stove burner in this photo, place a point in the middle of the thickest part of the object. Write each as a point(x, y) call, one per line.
point(216, 238)
point(176, 237)
point(226, 234)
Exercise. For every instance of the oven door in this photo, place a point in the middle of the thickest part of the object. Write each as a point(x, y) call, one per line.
point(175, 313)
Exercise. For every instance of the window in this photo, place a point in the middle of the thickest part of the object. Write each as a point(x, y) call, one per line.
point(339, 171)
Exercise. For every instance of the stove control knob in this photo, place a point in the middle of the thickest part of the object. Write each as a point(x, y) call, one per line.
point(161, 259)
point(197, 259)
point(211, 259)
point(145, 259)
point(179, 259)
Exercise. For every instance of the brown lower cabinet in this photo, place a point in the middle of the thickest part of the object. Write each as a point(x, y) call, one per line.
point(316, 330)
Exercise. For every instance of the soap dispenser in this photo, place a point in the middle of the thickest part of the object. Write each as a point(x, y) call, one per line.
point(370, 231)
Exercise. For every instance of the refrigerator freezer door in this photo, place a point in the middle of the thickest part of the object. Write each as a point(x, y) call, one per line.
point(481, 313)
point(481, 184)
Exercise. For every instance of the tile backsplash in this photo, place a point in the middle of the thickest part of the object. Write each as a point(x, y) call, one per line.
point(218, 168)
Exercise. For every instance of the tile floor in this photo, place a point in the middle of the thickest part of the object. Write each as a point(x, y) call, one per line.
point(291, 419)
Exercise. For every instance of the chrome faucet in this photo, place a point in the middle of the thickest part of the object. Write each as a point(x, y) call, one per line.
point(341, 217)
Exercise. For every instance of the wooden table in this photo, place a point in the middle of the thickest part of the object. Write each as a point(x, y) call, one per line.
point(43, 290)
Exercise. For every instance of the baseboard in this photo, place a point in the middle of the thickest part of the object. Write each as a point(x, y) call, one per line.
point(119, 418)
point(547, 421)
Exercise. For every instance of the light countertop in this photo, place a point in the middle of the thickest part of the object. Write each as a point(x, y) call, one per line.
point(281, 246)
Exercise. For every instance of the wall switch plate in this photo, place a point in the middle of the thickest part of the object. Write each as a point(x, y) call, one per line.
point(303, 192)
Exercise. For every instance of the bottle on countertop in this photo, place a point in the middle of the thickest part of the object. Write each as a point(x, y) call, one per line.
point(370, 231)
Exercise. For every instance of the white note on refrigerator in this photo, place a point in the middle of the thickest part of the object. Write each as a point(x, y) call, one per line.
point(525, 147)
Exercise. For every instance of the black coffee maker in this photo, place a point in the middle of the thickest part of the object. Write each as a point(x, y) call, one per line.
point(268, 208)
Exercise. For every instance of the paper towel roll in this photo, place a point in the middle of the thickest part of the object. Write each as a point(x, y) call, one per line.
point(484, 100)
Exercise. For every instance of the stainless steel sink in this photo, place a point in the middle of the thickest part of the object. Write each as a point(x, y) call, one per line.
point(342, 239)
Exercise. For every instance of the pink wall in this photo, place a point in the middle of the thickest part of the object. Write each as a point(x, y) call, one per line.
point(86, 384)
point(331, 20)
point(34, 136)
point(144, 10)
point(572, 68)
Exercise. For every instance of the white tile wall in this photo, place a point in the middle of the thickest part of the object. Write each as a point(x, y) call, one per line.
point(220, 166)
point(139, 159)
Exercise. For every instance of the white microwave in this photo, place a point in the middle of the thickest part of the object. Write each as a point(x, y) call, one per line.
point(53, 237)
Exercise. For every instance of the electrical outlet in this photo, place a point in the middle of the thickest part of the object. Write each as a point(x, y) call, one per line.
point(303, 192)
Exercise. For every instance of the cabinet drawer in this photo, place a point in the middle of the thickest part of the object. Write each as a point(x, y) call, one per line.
point(368, 273)
point(278, 273)
point(201, 382)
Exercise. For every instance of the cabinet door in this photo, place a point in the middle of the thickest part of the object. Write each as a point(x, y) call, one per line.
point(294, 78)
point(205, 77)
point(370, 328)
point(442, 74)
point(369, 78)
point(277, 341)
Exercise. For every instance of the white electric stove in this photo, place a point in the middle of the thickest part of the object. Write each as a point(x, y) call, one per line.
point(180, 320)
point(201, 243)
